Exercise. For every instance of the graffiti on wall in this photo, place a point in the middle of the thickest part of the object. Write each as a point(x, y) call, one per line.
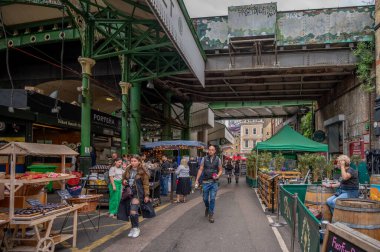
point(337, 25)
point(325, 26)
point(212, 32)
point(252, 20)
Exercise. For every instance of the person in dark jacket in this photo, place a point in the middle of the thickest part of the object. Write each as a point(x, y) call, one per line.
point(194, 167)
point(229, 167)
point(211, 167)
point(164, 179)
point(237, 171)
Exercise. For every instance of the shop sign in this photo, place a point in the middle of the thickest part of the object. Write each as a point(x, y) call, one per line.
point(357, 148)
point(69, 123)
point(105, 120)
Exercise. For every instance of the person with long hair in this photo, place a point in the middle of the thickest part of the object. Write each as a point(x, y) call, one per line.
point(137, 178)
point(183, 187)
point(115, 176)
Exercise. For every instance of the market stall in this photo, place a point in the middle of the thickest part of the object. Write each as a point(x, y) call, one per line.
point(286, 140)
point(39, 213)
point(170, 145)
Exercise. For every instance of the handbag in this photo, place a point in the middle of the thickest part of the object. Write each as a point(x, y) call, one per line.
point(127, 193)
point(147, 210)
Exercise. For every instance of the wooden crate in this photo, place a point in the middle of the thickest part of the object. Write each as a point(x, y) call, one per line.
point(20, 201)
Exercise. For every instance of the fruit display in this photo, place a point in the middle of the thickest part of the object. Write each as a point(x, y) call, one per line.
point(41, 209)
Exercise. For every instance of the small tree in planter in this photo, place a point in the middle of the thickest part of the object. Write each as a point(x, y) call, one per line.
point(329, 169)
point(303, 163)
point(251, 164)
point(264, 159)
point(279, 161)
point(318, 164)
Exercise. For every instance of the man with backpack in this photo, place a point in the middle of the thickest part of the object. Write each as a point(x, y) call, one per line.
point(211, 167)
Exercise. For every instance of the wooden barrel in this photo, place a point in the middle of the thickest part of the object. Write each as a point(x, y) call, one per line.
point(375, 187)
point(315, 199)
point(359, 214)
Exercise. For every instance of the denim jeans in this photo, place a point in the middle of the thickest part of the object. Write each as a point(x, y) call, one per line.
point(164, 180)
point(209, 195)
point(343, 195)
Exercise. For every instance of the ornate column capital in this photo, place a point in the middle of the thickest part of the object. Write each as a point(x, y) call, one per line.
point(87, 64)
point(125, 86)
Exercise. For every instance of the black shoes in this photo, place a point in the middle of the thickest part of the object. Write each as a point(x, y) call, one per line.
point(206, 212)
point(211, 218)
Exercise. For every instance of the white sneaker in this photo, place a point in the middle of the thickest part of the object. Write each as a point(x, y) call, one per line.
point(131, 232)
point(136, 233)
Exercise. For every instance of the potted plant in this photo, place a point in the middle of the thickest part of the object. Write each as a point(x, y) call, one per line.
point(279, 161)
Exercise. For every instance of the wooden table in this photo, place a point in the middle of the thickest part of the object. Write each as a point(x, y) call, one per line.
point(45, 242)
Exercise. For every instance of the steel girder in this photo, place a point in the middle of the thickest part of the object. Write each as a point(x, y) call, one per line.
point(151, 52)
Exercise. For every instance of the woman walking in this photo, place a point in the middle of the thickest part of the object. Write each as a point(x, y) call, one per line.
point(116, 175)
point(136, 178)
point(184, 183)
point(229, 169)
point(237, 171)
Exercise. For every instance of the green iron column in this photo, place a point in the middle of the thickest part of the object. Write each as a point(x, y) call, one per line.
point(167, 129)
point(186, 116)
point(85, 159)
point(124, 122)
point(135, 122)
point(87, 63)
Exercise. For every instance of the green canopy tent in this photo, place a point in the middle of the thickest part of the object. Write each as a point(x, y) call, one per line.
point(287, 139)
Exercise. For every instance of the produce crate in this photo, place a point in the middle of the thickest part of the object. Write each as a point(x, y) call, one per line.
point(91, 200)
point(44, 168)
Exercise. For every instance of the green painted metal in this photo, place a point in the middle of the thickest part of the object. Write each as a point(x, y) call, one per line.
point(167, 130)
point(238, 105)
point(125, 62)
point(186, 114)
point(191, 26)
point(135, 120)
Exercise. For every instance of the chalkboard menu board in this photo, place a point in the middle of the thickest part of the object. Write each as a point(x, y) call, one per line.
point(335, 243)
point(353, 241)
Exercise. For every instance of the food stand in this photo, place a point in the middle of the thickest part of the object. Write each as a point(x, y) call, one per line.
point(43, 214)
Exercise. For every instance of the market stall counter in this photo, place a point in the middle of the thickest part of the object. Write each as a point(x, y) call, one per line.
point(39, 213)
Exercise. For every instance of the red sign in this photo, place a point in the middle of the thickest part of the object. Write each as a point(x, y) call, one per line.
point(357, 148)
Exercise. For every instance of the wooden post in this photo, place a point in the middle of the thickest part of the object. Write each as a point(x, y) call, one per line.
point(63, 169)
point(75, 226)
point(13, 180)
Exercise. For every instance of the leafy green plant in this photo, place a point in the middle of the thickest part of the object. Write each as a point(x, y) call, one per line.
point(356, 159)
point(279, 160)
point(251, 164)
point(303, 163)
point(365, 53)
point(264, 159)
point(318, 166)
point(329, 169)
point(306, 125)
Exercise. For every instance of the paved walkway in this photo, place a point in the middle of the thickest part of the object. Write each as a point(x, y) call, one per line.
point(240, 224)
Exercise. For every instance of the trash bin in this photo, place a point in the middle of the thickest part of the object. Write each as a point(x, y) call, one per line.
point(43, 168)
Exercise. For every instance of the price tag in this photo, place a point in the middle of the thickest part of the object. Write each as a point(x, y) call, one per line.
point(34, 202)
point(64, 194)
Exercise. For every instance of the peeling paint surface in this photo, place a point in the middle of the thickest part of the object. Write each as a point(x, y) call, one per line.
point(337, 25)
point(252, 20)
point(212, 32)
point(325, 26)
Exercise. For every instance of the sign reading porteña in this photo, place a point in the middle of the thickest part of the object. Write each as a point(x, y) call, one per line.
point(173, 21)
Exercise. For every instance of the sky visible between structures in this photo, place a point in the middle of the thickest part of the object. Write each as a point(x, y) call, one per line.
point(207, 8)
